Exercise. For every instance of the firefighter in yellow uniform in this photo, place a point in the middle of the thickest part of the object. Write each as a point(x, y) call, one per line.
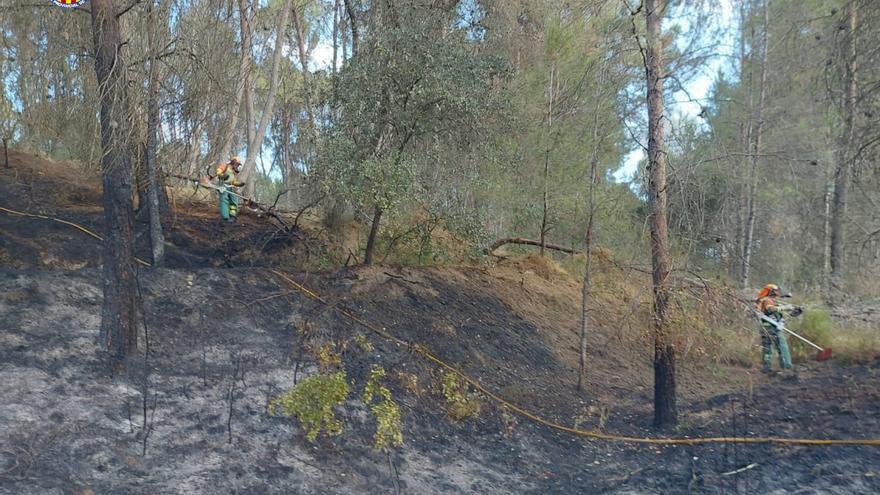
point(227, 174)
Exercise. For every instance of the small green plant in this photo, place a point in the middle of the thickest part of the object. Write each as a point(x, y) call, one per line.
point(312, 402)
point(328, 358)
point(590, 414)
point(364, 343)
point(508, 423)
point(815, 325)
point(460, 402)
point(389, 432)
point(410, 383)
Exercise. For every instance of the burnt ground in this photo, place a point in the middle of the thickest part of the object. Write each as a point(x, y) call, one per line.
point(224, 341)
point(195, 237)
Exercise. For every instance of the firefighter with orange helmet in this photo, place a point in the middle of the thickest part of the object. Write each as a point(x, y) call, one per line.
point(227, 174)
point(771, 335)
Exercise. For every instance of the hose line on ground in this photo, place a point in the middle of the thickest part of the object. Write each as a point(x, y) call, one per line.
point(65, 222)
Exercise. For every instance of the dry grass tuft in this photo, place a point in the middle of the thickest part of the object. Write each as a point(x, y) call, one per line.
point(856, 344)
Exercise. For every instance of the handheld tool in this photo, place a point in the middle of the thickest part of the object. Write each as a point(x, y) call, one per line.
point(821, 355)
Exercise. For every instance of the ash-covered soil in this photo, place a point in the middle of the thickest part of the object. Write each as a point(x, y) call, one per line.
point(68, 425)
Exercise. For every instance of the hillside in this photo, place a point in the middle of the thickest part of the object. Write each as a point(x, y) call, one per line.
point(226, 336)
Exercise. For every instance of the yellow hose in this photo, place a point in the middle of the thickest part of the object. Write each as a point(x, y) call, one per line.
point(65, 222)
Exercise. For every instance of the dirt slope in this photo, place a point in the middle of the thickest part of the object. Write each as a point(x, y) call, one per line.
point(223, 341)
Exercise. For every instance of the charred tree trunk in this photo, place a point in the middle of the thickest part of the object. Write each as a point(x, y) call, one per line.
point(841, 173)
point(118, 314)
point(374, 231)
point(157, 238)
point(665, 411)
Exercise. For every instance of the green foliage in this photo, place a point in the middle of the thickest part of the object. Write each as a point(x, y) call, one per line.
point(312, 401)
point(363, 342)
point(816, 326)
point(389, 432)
point(412, 91)
point(460, 402)
point(328, 357)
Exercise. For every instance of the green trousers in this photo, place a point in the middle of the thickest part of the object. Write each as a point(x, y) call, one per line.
point(770, 337)
point(228, 205)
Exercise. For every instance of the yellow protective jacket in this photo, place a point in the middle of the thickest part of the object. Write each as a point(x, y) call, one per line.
point(226, 174)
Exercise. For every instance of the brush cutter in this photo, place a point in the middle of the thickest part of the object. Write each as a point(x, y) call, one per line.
point(821, 354)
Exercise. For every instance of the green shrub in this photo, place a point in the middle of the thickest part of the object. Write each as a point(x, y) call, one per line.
point(328, 357)
point(389, 432)
point(460, 402)
point(312, 402)
point(815, 326)
point(363, 342)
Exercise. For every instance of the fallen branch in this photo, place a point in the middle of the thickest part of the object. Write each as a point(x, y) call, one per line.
point(740, 470)
point(528, 242)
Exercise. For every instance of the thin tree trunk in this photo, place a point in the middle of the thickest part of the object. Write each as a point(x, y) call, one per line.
point(118, 323)
point(157, 239)
point(544, 209)
point(588, 247)
point(371, 240)
point(241, 83)
point(192, 157)
point(311, 129)
point(742, 171)
point(665, 411)
point(352, 21)
point(756, 150)
point(826, 232)
point(304, 62)
point(549, 132)
point(246, 16)
point(335, 35)
point(588, 238)
point(6, 153)
point(841, 174)
point(254, 147)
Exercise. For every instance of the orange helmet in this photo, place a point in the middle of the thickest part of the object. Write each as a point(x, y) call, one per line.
point(769, 290)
